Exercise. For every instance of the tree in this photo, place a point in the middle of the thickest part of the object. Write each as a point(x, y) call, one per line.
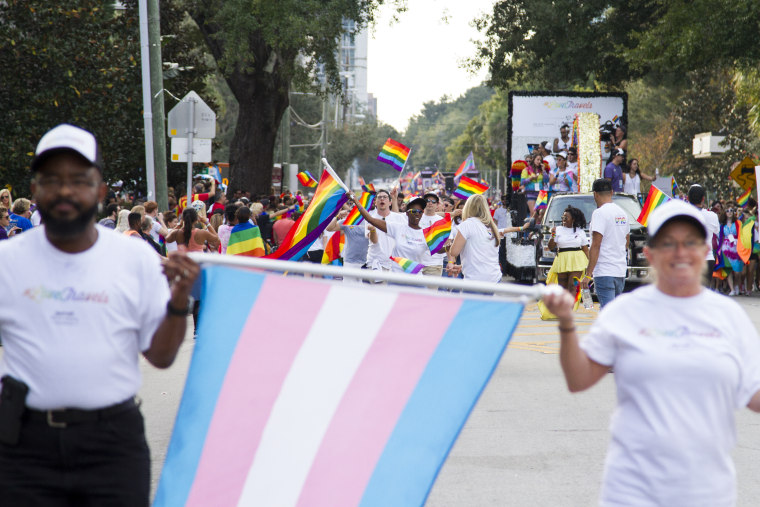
point(79, 63)
point(262, 49)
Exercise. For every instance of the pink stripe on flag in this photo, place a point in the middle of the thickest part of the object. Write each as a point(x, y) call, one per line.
point(261, 361)
point(374, 400)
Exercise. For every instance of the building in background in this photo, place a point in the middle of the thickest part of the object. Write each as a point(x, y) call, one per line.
point(358, 104)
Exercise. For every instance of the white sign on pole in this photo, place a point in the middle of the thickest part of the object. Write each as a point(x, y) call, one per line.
point(201, 150)
point(204, 118)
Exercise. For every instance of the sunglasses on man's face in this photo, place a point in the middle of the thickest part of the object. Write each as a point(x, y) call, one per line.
point(414, 211)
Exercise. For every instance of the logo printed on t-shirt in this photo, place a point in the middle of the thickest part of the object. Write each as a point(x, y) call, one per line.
point(680, 332)
point(65, 295)
point(621, 220)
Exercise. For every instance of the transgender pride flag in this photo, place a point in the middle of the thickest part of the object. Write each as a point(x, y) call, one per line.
point(339, 406)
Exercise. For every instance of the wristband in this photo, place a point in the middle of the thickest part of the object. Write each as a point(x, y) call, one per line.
point(184, 312)
point(566, 329)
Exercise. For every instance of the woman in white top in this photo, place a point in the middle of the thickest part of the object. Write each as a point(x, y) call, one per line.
point(571, 243)
point(685, 360)
point(409, 238)
point(632, 179)
point(477, 241)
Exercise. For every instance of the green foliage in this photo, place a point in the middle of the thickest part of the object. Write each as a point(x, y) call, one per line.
point(431, 132)
point(557, 45)
point(485, 135)
point(78, 62)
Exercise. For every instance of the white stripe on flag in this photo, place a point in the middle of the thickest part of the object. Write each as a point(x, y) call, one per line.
point(310, 394)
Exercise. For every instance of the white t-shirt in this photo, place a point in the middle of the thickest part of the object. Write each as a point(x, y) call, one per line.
point(437, 258)
point(154, 228)
point(480, 255)
point(567, 238)
point(224, 232)
point(378, 254)
point(713, 229)
point(632, 184)
point(611, 221)
point(549, 159)
point(683, 366)
point(410, 243)
point(73, 325)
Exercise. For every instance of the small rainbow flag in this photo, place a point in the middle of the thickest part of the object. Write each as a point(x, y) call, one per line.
point(394, 154)
point(542, 200)
point(306, 179)
point(408, 266)
point(655, 197)
point(467, 165)
point(437, 234)
point(367, 187)
point(354, 217)
point(468, 187)
point(245, 239)
point(515, 173)
point(615, 119)
point(674, 187)
point(329, 198)
point(334, 248)
point(744, 198)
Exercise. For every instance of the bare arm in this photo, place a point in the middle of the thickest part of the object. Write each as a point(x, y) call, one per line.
point(580, 371)
point(380, 224)
point(596, 243)
point(333, 226)
point(182, 272)
point(456, 247)
point(646, 176)
point(394, 199)
point(754, 402)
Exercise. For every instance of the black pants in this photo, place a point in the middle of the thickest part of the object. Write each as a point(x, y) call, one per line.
point(99, 463)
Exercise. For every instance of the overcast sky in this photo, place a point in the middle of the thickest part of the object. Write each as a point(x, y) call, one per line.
point(417, 59)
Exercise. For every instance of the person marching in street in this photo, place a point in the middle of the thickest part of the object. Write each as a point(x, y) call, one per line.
point(71, 431)
point(434, 263)
point(477, 242)
point(571, 243)
point(610, 233)
point(381, 244)
point(696, 197)
point(681, 372)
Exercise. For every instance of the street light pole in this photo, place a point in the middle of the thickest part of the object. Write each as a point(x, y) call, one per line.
point(156, 89)
point(147, 102)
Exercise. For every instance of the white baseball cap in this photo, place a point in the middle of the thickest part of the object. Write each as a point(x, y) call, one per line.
point(67, 137)
point(672, 209)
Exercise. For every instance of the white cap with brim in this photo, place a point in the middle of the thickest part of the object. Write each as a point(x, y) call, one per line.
point(671, 210)
point(66, 137)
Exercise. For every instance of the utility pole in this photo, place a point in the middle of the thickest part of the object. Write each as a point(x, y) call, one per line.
point(157, 100)
point(285, 150)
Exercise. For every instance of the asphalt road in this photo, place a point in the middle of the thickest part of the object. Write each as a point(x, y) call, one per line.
point(528, 442)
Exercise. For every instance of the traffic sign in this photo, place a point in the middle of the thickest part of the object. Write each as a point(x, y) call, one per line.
point(201, 150)
point(203, 118)
point(744, 173)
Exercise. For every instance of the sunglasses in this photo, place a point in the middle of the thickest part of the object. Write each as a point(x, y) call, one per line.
point(415, 211)
point(432, 200)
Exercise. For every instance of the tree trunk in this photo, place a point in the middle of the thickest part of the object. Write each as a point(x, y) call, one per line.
point(252, 147)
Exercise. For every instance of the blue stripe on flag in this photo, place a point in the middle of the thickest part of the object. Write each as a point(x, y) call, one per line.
point(217, 340)
point(436, 411)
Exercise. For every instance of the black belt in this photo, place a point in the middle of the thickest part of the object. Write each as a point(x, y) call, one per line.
point(575, 249)
point(60, 418)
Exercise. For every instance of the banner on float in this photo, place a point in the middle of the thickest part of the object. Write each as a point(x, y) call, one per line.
point(332, 401)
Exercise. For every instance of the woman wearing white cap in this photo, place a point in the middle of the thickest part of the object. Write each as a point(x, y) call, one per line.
point(685, 360)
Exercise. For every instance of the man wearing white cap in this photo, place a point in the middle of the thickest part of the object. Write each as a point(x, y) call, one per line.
point(685, 360)
point(84, 303)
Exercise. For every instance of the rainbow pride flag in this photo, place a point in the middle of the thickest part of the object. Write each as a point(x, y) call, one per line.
point(515, 173)
point(468, 187)
point(437, 234)
point(542, 200)
point(743, 199)
point(673, 187)
point(329, 198)
point(366, 187)
point(306, 179)
point(465, 167)
point(655, 197)
point(334, 248)
point(261, 422)
point(354, 217)
point(407, 265)
point(245, 239)
point(394, 154)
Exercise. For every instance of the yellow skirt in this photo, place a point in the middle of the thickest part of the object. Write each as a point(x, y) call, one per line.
point(563, 262)
point(570, 261)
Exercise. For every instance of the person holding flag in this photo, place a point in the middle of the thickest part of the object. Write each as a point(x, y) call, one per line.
point(681, 372)
point(409, 239)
